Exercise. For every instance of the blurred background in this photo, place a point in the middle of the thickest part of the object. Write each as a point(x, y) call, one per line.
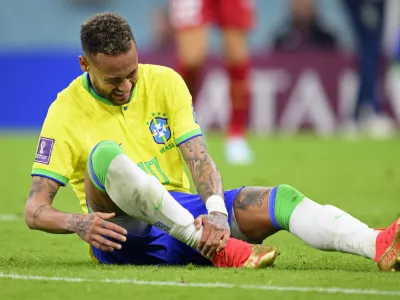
point(303, 77)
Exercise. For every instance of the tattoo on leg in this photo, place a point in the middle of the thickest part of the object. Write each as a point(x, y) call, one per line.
point(250, 197)
point(96, 207)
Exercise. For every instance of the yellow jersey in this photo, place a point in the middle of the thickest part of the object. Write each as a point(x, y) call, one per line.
point(158, 118)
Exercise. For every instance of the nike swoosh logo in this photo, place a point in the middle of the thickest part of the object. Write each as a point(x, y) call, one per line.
point(160, 202)
point(337, 217)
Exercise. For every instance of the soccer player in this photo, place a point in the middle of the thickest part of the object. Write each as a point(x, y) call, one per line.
point(190, 19)
point(116, 134)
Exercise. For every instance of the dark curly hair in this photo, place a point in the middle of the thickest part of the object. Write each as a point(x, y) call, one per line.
point(106, 33)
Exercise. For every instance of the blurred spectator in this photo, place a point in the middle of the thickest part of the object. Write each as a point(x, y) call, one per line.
point(397, 49)
point(303, 30)
point(191, 20)
point(367, 18)
point(162, 31)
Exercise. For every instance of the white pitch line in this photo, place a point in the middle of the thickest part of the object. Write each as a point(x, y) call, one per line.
point(327, 290)
point(10, 217)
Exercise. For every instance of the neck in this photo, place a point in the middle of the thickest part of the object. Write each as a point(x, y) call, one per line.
point(92, 86)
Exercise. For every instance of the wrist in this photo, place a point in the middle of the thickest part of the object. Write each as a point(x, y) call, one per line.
point(218, 214)
point(216, 204)
point(73, 222)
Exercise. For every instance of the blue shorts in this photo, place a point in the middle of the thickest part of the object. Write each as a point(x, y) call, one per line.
point(155, 247)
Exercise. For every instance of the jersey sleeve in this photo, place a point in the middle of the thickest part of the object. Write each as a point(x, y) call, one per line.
point(57, 150)
point(184, 124)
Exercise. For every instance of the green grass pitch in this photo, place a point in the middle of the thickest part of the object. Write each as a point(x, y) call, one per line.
point(362, 177)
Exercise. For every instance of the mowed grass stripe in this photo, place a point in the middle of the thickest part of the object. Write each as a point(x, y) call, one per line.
point(329, 290)
point(10, 217)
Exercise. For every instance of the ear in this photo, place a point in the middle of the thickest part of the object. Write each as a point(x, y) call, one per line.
point(84, 63)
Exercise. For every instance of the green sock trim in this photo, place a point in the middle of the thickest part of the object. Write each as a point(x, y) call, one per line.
point(99, 161)
point(287, 199)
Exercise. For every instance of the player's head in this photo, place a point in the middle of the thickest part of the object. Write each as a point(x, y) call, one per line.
point(110, 56)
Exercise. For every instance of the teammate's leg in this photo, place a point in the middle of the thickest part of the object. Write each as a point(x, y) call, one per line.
point(189, 19)
point(115, 184)
point(261, 212)
point(235, 19)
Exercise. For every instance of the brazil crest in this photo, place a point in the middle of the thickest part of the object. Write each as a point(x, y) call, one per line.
point(160, 130)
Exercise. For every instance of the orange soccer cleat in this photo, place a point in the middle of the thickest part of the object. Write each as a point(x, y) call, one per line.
point(239, 254)
point(388, 248)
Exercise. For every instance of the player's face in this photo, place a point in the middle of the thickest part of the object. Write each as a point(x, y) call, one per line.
point(114, 77)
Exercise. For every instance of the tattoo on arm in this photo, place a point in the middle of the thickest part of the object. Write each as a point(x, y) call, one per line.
point(43, 185)
point(43, 190)
point(188, 145)
point(250, 197)
point(37, 213)
point(204, 171)
point(80, 224)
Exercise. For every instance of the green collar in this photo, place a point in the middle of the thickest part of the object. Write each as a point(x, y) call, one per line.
point(88, 86)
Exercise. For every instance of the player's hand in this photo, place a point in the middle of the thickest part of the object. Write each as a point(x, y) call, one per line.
point(216, 233)
point(94, 227)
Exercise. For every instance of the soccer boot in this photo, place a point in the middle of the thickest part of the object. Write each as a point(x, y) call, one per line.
point(262, 256)
point(239, 254)
point(388, 248)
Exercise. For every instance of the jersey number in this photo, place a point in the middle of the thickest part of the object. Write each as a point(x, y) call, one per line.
point(152, 167)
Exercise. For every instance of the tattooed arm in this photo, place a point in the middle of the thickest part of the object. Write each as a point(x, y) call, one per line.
point(208, 182)
point(205, 175)
point(41, 215)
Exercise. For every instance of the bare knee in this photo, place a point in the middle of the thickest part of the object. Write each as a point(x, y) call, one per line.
point(251, 213)
point(99, 201)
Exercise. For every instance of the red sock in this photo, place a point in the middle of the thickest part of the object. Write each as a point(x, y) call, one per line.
point(234, 255)
point(240, 98)
point(190, 76)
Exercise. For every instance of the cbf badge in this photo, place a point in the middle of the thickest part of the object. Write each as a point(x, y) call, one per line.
point(44, 150)
point(160, 129)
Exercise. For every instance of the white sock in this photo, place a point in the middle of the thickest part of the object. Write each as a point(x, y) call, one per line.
point(143, 197)
point(328, 228)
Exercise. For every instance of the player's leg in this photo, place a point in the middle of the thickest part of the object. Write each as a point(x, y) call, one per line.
point(235, 17)
point(369, 49)
point(261, 255)
point(189, 20)
point(116, 184)
point(260, 212)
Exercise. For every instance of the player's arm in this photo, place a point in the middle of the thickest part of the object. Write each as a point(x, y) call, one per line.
point(208, 182)
point(206, 177)
point(57, 155)
point(41, 215)
point(39, 212)
point(205, 174)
